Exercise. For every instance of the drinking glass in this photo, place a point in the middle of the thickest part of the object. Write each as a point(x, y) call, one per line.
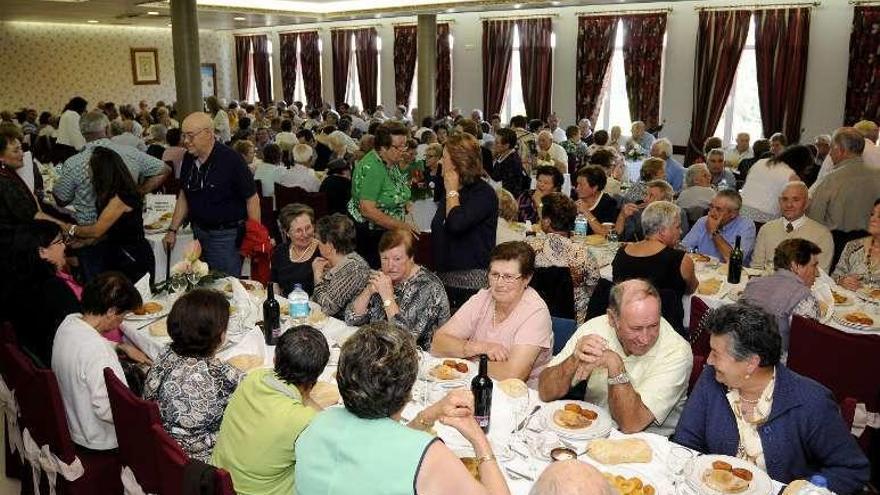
point(678, 459)
point(178, 284)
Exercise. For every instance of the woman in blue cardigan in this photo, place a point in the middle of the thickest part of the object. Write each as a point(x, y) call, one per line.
point(746, 404)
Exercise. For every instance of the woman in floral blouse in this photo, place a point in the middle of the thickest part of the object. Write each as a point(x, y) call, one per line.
point(403, 292)
point(189, 383)
point(859, 264)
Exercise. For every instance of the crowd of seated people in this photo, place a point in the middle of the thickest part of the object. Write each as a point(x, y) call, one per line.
point(358, 259)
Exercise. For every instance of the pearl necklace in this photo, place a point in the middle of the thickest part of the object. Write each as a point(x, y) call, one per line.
point(304, 255)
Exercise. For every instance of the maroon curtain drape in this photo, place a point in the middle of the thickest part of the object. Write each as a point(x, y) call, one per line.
point(643, 65)
point(262, 72)
point(497, 52)
point(443, 81)
point(341, 41)
point(862, 96)
point(310, 58)
point(720, 38)
point(242, 67)
point(536, 65)
point(367, 66)
point(405, 41)
point(288, 64)
point(595, 45)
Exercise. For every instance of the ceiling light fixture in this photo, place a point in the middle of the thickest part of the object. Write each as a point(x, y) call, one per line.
point(555, 2)
point(517, 5)
point(239, 18)
point(92, 21)
point(450, 10)
point(152, 12)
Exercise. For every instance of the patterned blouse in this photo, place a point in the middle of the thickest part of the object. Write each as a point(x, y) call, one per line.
point(527, 209)
point(373, 180)
point(557, 250)
point(341, 284)
point(192, 394)
point(636, 192)
point(576, 150)
point(854, 261)
point(423, 307)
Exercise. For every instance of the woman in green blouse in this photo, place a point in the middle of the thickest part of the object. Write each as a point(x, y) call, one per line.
point(380, 191)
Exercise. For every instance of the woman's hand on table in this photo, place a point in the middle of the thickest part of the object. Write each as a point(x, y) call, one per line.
point(850, 282)
point(134, 354)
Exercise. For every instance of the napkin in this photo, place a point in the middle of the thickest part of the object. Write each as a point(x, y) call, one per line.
point(143, 287)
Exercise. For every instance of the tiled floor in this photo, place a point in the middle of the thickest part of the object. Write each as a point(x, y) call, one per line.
point(7, 486)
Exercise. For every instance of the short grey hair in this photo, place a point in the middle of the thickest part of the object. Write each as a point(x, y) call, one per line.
point(94, 123)
point(116, 128)
point(302, 154)
point(546, 133)
point(691, 175)
point(668, 192)
point(823, 138)
point(659, 215)
point(158, 132)
point(636, 288)
point(796, 184)
point(732, 197)
point(715, 152)
point(664, 145)
point(850, 140)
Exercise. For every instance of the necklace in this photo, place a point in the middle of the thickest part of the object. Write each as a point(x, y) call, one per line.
point(305, 254)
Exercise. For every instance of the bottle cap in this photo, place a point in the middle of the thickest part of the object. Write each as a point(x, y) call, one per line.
point(819, 480)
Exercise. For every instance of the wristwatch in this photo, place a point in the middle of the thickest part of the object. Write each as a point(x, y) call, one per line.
point(620, 379)
point(387, 303)
point(452, 194)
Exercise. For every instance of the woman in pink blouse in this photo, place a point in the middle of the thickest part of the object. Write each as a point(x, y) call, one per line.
point(508, 321)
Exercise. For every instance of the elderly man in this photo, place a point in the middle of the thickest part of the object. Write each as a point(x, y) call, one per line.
point(662, 149)
point(586, 127)
point(477, 115)
point(870, 153)
point(553, 125)
point(843, 199)
point(698, 192)
point(571, 477)
point(778, 142)
point(715, 234)
point(217, 195)
point(550, 153)
point(739, 151)
point(722, 177)
point(629, 220)
point(632, 359)
point(823, 146)
point(793, 203)
point(640, 136)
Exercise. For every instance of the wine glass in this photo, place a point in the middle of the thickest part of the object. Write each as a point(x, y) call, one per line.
point(177, 284)
point(678, 459)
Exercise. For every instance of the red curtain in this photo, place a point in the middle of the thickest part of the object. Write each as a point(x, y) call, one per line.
point(341, 41)
point(242, 67)
point(497, 52)
point(288, 64)
point(367, 66)
point(443, 82)
point(310, 58)
point(595, 45)
point(721, 35)
point(405, 41)
point(536, 59)
point(782, 39)
point(642, 65)
point(262, 72)
point(862, 95)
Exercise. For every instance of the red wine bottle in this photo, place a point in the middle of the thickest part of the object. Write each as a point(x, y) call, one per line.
point(481, 386)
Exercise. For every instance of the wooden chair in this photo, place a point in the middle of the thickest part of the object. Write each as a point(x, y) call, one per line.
point(563, 329)
point(173, 461)
point(287, 195)
point(424, 251)
point(696, 371)
point(699, 337)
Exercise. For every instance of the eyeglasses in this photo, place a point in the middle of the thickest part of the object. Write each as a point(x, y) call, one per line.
point(402, 147)
point(189, 136)
point(505, 278)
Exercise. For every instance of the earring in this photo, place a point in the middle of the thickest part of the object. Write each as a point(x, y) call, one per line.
point(748, 376)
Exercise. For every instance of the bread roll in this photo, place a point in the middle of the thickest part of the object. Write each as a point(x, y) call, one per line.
point(514, 387)
point(622, 451)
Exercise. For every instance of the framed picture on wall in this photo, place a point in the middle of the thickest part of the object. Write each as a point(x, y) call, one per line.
point(145, 65)
point(209, 80)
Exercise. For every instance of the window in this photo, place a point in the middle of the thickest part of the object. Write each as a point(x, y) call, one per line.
point(514, 104)
point(252, 96)
point(352, 87)
point(299, 92)
point(614, 109)
point(414, 92)
point(742, 113)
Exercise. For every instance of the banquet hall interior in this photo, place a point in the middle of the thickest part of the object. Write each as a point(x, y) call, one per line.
point(591, 246)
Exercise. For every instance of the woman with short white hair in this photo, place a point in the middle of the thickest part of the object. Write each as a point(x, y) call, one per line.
point(300, 174)
point(698, 190)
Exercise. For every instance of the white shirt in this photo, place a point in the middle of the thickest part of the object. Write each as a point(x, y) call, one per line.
point(298, 176)
point(286, 140)
point(129, 139)
point(79, 356)
point(764, 184)
point(26, 172)
point(266, 173)
point(559, 135)
point(660, 376)
point(558, 154)
point(68, 131)
point(359, 123)
point(221, 126)
point(733, 156)
point(350, 145)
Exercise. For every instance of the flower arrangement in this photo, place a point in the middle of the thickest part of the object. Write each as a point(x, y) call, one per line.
point(190, 272)
point(635, 152)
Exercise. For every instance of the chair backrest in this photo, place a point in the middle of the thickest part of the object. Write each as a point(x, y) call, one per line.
point(223, 482)
point(424, 252)
point(812, 342)
point(556, 288)
point(171, 460)
point(563, 329)
point(698, 337)
point(133, 419)
point(699, 364)
point(598, 304)
point(42, 411)
point(287, 195)
point(672, 309)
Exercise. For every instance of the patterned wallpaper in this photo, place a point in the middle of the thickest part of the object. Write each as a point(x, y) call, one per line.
point(46, 64)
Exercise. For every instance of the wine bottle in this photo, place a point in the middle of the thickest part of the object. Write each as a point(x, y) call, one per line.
point(481, 386)
point(271, 316)
point(735, 264)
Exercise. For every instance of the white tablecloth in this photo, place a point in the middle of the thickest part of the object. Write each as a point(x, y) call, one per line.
point(633, 170)
point(184, 237)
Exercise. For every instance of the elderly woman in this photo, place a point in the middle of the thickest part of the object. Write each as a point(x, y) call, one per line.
point(656, 259)
point(248, 153)
point(509, 321)
point(698, 192)
point(18, 205)
point(547, 180)
point(292, 260)
point(380, 190)
point(403, 292)
point(597, 206)
point(363, 448)
point(859, 263)
point(787, 291)
point(220, 119)
point(187, 380)
point(463, 229)
point(746, 404)
point(433, 170)
point(556, 248)
point(340, 274)
point(508, 212)
point(652, 169)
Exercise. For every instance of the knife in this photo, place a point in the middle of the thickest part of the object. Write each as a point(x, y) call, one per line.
point(524, 422)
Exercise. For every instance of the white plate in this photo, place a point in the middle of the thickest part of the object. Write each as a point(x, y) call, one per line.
point(850, 300)
point(760, 484)
point(722, 289)
point(166, 308)
point(839, 318)
point(630, 473)
point(600, 427)
point(461, 377)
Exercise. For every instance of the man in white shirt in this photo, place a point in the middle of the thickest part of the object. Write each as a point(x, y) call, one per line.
point(301, 174)
point(80, 353)
point(550, 153)
point(558, 132)
point(634, 362)
point(739, 151)
point(794, 223)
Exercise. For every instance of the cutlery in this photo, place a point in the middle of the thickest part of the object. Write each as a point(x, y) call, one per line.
point(516, 473)
point(524, 422)
point(577, 452)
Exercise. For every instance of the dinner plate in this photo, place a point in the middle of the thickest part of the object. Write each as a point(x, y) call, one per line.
point(166, 308)
point(840, 317)
point(600, 427)
point(848, 300)
point(723, 288)
point(760, 484)
point(459, 376)
point(870, 294)
point(647, 480)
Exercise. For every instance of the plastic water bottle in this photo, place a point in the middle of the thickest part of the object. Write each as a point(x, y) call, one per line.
point(580, 225)
point(818, 486)
point(299, 305)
